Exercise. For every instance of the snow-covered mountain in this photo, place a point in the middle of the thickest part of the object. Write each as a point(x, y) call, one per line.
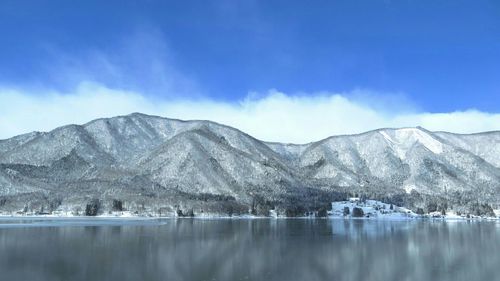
point(154, 164)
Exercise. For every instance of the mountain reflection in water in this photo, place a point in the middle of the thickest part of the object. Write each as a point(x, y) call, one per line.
point(249, 249)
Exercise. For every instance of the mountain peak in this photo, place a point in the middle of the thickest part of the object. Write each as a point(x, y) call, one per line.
point(404, 138)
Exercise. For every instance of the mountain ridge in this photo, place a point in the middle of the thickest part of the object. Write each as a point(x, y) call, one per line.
point(196, 166)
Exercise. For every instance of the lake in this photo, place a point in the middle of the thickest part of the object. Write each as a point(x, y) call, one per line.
point(248, 249)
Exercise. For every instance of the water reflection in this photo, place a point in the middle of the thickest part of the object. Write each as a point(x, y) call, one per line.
point(259, 249)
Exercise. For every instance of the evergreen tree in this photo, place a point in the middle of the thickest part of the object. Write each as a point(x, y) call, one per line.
point(357, 212)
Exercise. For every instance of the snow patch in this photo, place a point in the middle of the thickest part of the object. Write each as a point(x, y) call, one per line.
point(402, 139)
point(409, 188)
point(372, 209)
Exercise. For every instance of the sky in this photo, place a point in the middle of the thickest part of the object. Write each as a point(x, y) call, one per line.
point(290, 71)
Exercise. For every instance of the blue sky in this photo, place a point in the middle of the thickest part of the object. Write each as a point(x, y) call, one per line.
point(420, 56)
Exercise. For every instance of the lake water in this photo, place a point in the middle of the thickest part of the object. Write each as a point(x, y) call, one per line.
point(248, 249)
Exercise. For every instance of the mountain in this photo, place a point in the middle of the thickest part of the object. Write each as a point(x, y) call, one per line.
point(154, 165)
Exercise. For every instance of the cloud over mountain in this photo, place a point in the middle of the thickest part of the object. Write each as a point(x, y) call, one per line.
point(271, 116)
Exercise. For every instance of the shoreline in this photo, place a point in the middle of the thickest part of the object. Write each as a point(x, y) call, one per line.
point(351, 209)
point(249, 217)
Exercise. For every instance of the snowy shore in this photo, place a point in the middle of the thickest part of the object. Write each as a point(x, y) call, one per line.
point(349, 209)
point(372, 209)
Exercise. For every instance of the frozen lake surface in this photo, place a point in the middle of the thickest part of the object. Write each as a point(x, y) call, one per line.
point(247, 249)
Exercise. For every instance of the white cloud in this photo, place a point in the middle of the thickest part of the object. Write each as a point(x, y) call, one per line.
point(141, 61)
point(275, 116)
